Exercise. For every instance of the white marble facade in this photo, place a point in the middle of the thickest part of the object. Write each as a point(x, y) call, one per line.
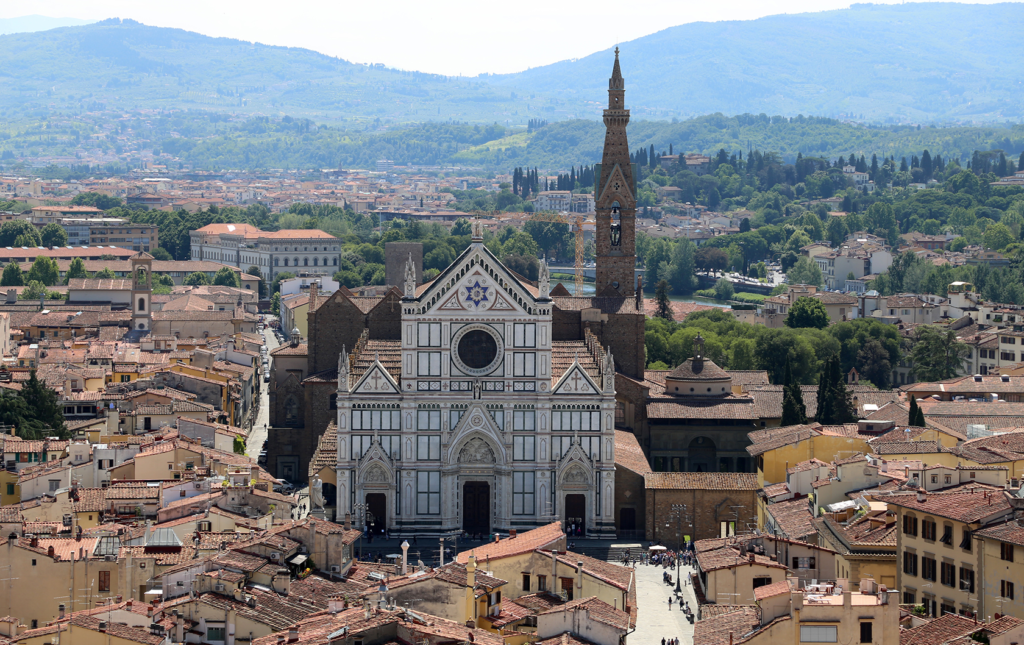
point(477, 433)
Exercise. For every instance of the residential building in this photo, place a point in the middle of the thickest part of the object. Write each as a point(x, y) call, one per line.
point(243, 246)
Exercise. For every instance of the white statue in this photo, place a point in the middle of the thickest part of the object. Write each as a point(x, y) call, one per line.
point(478, 230)
point(544, 280)
point(609, 372)
point(316, 492)
point(343, 370)
point(410, 278)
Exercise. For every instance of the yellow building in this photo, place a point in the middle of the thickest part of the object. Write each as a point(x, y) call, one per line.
point(939, 561)
point(776, 449)
point(865, 547)
point(1001, 576)
point(784, 615)
point(10, 490)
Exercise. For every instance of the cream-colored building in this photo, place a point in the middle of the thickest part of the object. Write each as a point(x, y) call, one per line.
point(939, 559)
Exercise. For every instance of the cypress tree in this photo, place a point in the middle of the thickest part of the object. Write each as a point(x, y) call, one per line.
point(919, 422)
point(793, 409)
point(912, 415)
point(842, 405)
point(825, 396)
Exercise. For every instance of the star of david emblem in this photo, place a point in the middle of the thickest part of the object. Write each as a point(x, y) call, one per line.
point(476, 294)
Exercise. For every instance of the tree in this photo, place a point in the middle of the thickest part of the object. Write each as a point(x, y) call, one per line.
point(43, 402)
point(462, 227)
point(261, 288)
point(998, 237)
point(44, 270)
point(873, 364)
point(54, 235)
point(835, 406)
point(664, 310)
point(196, 279)
point(76, 270)
point(745, 225)
point(163, 285)
point(225, 277)
point(938, 354)
point(794, 411)
point(919, 418)
point(724, 289)
point(711, 259)
point(805, 271)
point(912, 416)
point(12, 276)
point(807, 312)
point(160, 253)
point(275, 304)
point(285, 275)
point(12, 230)
point(34, 290)
point(106, 273)
point(96, 200)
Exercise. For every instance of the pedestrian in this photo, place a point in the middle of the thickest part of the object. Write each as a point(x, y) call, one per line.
point(670, 603)
point(663, 641)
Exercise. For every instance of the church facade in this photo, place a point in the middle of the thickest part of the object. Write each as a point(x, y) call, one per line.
point(489, 404)
point(476, 419)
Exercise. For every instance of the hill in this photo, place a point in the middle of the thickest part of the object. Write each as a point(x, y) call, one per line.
point(912, 62)
point(919, 62)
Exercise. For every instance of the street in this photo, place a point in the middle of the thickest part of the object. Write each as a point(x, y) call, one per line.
point(258, 436)
point(654, 619)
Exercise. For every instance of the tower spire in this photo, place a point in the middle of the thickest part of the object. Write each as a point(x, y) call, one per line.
point(616, 82)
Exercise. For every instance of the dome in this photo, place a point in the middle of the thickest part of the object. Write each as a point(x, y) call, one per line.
point(698, 376)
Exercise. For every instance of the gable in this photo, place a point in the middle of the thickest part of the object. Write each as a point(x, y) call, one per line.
point(577, 382)
point(617, 188)
point(477, 282)
point(376, 380)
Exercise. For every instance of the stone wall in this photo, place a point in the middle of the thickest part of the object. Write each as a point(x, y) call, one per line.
point(629, 500)
point(707, 509)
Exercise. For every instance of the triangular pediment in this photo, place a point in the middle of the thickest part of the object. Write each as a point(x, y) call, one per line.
point(376, 380)
point(477, 291)
point(576, 382)
point(476, 282)
point(617, 188)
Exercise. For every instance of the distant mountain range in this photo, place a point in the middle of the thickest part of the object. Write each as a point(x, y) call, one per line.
point(25, 24)
point(918, 62)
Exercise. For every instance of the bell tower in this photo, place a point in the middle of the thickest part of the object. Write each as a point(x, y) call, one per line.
point(142, 292)
point(615, 200)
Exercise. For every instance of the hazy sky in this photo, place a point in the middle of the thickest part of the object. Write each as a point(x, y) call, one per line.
point(448, 36)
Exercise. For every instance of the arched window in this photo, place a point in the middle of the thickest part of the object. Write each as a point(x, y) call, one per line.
point(335, 261)
point(142, 304)
point(325, 261)
point(305, 262)
point(286, 261)
point(295, 261)
point(291, 411)
point(276, 260)
point(316, 261)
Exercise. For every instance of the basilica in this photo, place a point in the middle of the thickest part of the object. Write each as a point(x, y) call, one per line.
point(490, 410)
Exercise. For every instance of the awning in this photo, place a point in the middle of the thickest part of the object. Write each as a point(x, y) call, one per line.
point(659, 548)
point(155, 592)
point(299, 559)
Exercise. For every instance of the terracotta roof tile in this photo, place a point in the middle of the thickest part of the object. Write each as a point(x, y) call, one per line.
point(539, 538)
point(628, 453)
point(701, 481)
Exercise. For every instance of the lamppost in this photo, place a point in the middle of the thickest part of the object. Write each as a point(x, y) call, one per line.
point(360, 510)
point(679, 511)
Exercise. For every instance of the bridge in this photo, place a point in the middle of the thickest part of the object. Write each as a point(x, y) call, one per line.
point(589, 272)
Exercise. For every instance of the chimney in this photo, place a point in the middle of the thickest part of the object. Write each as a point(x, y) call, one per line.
point(366, 609)
point(470, 591)
point(497, 537)
point(179, 628)
point(60, 612)
point(280, 638)
point(293, 633)
point(405, 557)
point(579, 577)
point(103, 626)
point(348, 521)
point(922, 497)
point(512, 534)
point(49, 551)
